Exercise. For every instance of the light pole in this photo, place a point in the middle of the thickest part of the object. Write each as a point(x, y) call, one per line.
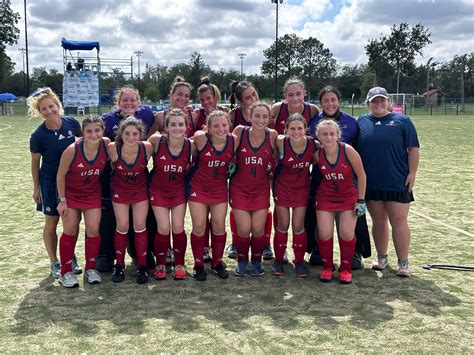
point(138, 54)
point(242, 56)
point(276, 2)
point(26, 51)
point(23, 52)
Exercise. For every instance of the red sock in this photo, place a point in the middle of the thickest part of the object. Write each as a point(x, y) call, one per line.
point(325, 250)
point(299, 246)
point(120, 244)
point(242, 245)
point(279, 244)
point(92, 249)
point(258, 244)
point(160, 247)
point(347, 248)
point(197, 245)
point(141, 247)
point(207, 233)
point(233, 226)
point(66, 252)
point(268, 229)
point(217, 246)
point(275, 219)
point(179, 247)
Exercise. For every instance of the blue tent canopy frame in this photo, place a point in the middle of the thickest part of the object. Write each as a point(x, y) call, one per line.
point(79, 45)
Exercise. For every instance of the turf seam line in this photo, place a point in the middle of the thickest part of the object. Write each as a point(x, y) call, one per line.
point(442, 223)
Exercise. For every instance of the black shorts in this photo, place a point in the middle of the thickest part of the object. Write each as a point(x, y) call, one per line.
point(383, 195)
point(49, 197)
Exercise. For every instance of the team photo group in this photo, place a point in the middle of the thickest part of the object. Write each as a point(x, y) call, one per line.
point(322, 167)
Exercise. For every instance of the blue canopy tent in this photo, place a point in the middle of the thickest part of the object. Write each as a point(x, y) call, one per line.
point(79, 45)
point(7, 97)
point(4, 98)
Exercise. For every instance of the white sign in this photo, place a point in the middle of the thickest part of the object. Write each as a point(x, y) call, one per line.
point(80, 88)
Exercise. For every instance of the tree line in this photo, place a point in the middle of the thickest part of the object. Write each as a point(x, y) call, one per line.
point(391, 63)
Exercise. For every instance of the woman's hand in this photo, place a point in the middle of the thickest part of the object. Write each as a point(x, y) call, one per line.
point(409, 182)
point(36, 196)
point(62, 208)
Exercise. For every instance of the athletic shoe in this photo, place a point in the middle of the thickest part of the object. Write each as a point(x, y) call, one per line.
point(68, 280)
point(357, 263)
point(159, 272)
point(207, 255)
point(56, 269)
point(345, 277)
point(231, 252)
point(93, 276)
point(326, 275)
point(199, 273)
point(75, 266)
point(257, 268)
point(118, 275)
point(169, 258)
point(267, 253)
point(285, 258)
point(179, 272)
point(301, 270)
point(241, 269)
point(277, 268)
point(380, 262)
point(403, 269)
point(104, 264)
point(315, 259)
point(220, 271)
point(142, 275)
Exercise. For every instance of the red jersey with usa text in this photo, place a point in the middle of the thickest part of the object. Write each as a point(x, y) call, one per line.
point(337, 179)
point(130, 177)
point(211, 166)
point(83, 177)
point(200, 121)
point(252, 164)
point(294, 168)
point(239, 119)
point(283, 115)
point(169, 171)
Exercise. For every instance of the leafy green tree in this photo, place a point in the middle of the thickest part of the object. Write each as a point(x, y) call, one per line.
point(289, 47)
point(9, 35)
point(198, 69)
point(151, 93)
point(349, 79)
point(42, 78)
point(398, 50)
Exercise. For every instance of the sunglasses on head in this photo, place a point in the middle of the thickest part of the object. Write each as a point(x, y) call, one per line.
point(40, 91)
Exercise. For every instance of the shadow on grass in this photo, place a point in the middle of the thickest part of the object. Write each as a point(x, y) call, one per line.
point(234, 304)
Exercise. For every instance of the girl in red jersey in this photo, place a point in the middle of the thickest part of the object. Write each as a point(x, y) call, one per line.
point(338, 194)
point(294, 93)
point(291, 186)
point(250, 188)
point(179, 95)
point(171, 160)
point(208, 191)
point(129, 158)
point(80, 168)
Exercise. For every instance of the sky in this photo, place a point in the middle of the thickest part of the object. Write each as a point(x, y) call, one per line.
point(169, 31)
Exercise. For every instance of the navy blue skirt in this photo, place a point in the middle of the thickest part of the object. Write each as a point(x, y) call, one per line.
point(383, 195)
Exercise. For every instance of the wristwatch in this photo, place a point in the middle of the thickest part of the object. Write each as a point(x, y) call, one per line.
point(61, 199)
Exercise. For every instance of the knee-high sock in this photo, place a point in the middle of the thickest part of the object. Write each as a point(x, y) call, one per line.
point(279, 244)
point(299, 246)
point(268, 228)
point(326, 252)
point(179, 247)
point(347, 248)
point(258, 244)
point(242, 245)
point(233, 226)
point(218, 246)
point(197, 245)
point(160, 248)
point(66, 252)
point(120, 244)
point(141, 246)
point(92, 249)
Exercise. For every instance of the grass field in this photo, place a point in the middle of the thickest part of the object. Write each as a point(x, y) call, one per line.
point(432, 312)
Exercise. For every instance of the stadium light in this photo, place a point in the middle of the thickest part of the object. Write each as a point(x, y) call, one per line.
point(23, 52)
point(276, 2)
point(242, 56)
point(138, 54)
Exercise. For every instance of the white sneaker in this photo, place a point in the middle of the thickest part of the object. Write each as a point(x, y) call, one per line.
point(56, 269)
point(75, 266)
point(403, 269)
point(93, 276)
point(380, 262)
point(68, 280)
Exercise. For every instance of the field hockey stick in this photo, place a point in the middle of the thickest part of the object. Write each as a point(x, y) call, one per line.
point(448, 267)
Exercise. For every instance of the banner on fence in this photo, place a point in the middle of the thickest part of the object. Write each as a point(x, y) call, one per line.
point(397, 109)
point(80, 88)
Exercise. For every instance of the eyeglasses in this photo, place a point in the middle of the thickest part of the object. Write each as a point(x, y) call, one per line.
point(40, 91)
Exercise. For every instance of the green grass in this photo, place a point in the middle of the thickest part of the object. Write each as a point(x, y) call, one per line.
point(432, 312)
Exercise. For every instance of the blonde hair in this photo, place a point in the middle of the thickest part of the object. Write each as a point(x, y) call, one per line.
point(123, 90)
point(205, 85)
point(178, 82)
point(39, 95)
point(261, 104)
point(214, 114)
point(129, 121)
point(176, 112)
point(293, 81)
point(328, 123)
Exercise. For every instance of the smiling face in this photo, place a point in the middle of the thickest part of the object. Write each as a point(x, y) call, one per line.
point(176, 126)
point(260, 117)
point(131, 135)
point(379, 106)
point(330, 103)
point(128, 103)
point(294, 95)
point(328, 135)
point(296, 129)
point(249, 97)
point(93, 132)
point(219, 126)
point(180, 97)
point(207, 100)
point(48, 109)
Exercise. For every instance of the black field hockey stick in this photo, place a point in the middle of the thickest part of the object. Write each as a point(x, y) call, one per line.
point(448, 267)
